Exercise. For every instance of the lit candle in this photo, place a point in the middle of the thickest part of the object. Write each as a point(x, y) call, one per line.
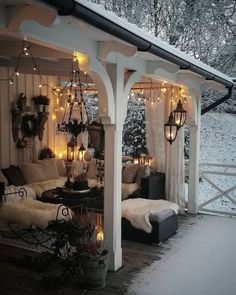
point(100, 236)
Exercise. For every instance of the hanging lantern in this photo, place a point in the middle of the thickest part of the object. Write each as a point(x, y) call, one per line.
point(170, 129)
point(179, 115)
point(82, 152)
point(71, 149)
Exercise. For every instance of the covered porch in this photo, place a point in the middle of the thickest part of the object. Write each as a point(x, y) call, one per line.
point(114, 65)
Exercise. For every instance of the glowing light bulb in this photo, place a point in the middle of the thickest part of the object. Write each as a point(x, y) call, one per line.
point(11, 81)
point(163, 90)
point(53, 117)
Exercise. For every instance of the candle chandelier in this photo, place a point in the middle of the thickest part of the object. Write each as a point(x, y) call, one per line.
point(75, 119)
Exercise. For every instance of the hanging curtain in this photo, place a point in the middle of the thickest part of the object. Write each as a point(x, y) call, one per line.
point(155, 116)
point(167, 158)
point(174, 172)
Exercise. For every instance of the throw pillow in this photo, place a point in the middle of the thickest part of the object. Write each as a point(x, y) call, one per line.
point(33, 172)
point(143, 170)
point(61, 167)
point(49, 168)
point(14, 175)
point(3, 178)
point(129, 173)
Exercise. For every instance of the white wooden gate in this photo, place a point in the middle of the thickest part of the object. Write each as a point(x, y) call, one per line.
point(217, 187)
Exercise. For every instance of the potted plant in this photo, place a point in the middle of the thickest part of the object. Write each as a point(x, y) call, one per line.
point(83, 233)
point(93, 255)
point(41, 102)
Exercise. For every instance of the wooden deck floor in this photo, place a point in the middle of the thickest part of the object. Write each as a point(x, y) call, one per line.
point(136, 256)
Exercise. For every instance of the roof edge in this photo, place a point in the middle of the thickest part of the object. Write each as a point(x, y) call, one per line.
point(76, 9)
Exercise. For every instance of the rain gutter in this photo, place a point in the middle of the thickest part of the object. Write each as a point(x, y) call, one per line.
point(73, 8)
point(219, 101)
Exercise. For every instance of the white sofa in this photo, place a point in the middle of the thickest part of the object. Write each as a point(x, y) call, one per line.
point(50, 173)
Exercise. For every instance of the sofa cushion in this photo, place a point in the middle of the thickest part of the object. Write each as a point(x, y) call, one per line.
point(49, 168)
point(143, 170)
point(128, 189)
point(129, 173)
point(14, 175)
point(61, 167)
point(3, 178)
point(33, 172)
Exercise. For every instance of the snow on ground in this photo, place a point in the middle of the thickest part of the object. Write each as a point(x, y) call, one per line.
point(200, 260)
point(218, 146)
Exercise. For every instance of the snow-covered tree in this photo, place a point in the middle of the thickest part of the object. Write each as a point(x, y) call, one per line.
point(134, 130)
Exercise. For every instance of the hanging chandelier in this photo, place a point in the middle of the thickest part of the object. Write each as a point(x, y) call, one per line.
point(75, 119)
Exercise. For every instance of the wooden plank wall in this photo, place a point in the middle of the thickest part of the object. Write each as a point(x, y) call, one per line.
point(28, 84)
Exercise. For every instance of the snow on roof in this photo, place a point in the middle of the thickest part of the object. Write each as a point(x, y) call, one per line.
point(122, 22)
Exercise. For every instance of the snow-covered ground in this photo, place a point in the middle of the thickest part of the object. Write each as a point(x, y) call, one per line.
point(218, 146)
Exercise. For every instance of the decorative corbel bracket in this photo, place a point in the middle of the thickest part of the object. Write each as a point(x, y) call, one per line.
point(18, 14)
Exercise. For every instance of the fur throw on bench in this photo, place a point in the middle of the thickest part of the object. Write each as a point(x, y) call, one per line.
point(137, 211)
point(28, 212)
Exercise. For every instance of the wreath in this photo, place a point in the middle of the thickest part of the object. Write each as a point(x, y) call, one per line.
point(29, 125)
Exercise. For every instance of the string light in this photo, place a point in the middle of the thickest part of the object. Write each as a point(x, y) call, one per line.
point(26, 51)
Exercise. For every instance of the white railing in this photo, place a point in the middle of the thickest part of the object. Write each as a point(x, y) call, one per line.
point(217, 189)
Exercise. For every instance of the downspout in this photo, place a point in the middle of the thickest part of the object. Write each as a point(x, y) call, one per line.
point(219, 101)
point(73, 8)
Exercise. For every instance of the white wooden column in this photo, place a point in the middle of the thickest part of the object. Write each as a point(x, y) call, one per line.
point(194, 150)
point(112, 195)
point(113, 162)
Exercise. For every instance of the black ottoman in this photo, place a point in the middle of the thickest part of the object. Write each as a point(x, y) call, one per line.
point(164, 225)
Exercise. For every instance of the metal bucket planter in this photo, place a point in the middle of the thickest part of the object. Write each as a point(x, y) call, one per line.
point(46, 108)
point(95, 270)
point(39, 108)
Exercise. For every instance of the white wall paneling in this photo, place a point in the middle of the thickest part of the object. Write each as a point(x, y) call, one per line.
point(27, 84)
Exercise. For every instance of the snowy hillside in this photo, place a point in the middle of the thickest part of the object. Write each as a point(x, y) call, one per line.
point(218, 146)
point(218, 138)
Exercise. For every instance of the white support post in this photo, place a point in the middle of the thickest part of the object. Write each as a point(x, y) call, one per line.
point(112, 195)
point(194, 150)
point(113, 162)
point(193, 170)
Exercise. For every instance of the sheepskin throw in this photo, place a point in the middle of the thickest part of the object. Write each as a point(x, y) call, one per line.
point(27, 212)
point(137, 211)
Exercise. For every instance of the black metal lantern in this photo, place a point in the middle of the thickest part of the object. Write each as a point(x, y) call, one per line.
point(71, 149)
point(179, 115)
point(82, 151)
point(171, 129)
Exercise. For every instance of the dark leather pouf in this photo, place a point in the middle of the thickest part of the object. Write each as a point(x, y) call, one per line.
point(164, 225)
